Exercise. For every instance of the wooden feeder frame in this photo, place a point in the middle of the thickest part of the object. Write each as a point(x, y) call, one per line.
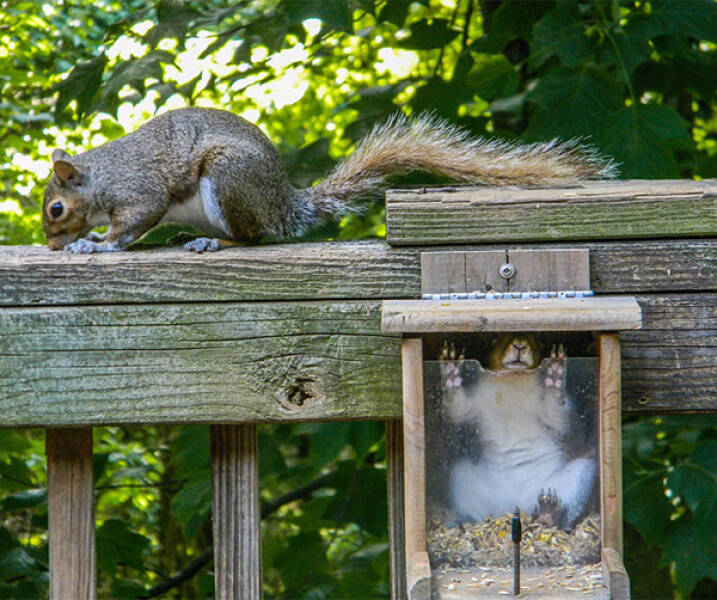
point(606, 314)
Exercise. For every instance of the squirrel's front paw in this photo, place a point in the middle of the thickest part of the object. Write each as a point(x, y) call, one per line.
point(555, 371)
point(203, 244)
point(83, 246)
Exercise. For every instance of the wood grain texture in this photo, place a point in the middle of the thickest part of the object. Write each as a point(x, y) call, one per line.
point(37, 276)
point(593, 210)
point(614, 575)
point(418, 569)
point(610, 440)
point(256, 362)
point(33, 276)
point(671, 364)
point(236, 516)
point(71, 514)
point(396, 511)
point(540, 314)
point(479, 271)
point(195, 363)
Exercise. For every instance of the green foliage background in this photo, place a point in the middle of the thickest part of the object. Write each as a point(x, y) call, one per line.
point(636, 78)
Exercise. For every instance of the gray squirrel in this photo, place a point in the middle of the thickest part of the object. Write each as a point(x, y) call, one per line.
point(219, 173)
point(522, 413)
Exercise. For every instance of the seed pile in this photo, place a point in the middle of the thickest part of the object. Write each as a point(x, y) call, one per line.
point(488, 543)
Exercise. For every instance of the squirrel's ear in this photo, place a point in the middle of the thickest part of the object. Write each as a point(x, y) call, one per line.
point(64, 170)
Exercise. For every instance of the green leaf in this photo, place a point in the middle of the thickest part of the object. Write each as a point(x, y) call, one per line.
point(364, 436)
point(696, 18)
point(645, 505)
point(190, 450)
point(192, 504)
point(173, 21)
point(25, 499)
point(313, 563)
point(271, 460)
point(329, 440)
point(308, 163)
point(560, 33)
point(126, 589)
point(334, 14)
point(14, 560)
point(696, 480)
point(691, 550)
point(572, 103)
point(394, 11)
point(118, 544)
point(15, 474)
point(429, 33)
point(694, 72)
point(82, 84)
point(643, 139)
point(349, 503)
point(514, 19)
point(441, 97)
point(626, 48)
point(647, 578)
point(134, 72)
point(492, 76)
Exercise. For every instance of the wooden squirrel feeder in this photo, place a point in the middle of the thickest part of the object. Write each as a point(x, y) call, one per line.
point(493, 292)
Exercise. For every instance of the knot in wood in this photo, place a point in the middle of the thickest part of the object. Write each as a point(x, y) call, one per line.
point(301, 391)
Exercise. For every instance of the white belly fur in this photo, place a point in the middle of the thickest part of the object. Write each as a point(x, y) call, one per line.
point(201, 210)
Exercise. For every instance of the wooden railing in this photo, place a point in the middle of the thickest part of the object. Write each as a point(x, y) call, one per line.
point(292, 333)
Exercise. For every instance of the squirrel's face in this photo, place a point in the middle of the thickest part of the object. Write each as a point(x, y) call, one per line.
point(515, 352)
point(64, 210)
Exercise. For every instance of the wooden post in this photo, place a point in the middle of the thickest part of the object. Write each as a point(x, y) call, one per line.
point(235, 488)
point(396, 530)
point(71, 502)
point(418, 569)
point(611, 467)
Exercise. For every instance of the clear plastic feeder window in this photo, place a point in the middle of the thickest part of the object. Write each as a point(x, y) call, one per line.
point(522, 434)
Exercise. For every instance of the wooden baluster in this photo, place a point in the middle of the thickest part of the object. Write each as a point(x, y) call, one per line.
point(235, 488)
point(614, 572)
point(418, 569)
point(396, 529)
point(71, 514)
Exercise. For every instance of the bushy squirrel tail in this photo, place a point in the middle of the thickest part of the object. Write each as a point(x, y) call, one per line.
point(430, 144)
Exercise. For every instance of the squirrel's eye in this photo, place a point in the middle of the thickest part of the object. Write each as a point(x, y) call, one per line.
point(56, 210)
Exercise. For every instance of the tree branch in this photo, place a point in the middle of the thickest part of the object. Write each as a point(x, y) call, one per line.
point(267, 509)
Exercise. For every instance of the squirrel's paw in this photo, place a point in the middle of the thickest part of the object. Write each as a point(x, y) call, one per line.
point(83, 246)
point(548, 510)
point(555, 372)
point(203, 244)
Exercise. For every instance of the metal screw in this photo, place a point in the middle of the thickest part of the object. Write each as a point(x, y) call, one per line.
point(506, 270)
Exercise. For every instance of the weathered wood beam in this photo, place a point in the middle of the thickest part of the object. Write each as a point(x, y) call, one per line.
point(34, 276)
point(215, 363)
point(255, 362)
point(593, 210)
